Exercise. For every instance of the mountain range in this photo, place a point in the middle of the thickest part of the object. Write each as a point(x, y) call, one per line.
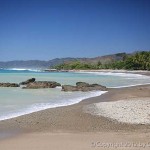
point(57, 61)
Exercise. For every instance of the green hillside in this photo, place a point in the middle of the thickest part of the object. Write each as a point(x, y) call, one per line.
point(136, 61)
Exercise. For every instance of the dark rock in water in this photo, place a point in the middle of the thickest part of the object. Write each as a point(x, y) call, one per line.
point(94, 87)
point(98, 86)
point(82, 84)
point(42, 84)
point(84, 87)
point(69, 88)
point(28, 81)
point(9, 85)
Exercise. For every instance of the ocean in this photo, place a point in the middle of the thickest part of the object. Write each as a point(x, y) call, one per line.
point(16, 101)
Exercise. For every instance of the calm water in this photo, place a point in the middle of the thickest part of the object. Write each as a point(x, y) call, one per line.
point(16, 101)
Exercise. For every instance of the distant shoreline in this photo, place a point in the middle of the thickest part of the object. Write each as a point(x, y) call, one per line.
point(109, 70)
point(141, 72)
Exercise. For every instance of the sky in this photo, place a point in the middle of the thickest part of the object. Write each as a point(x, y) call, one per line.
point(47, 29)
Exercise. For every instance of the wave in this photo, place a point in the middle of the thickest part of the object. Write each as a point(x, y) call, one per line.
point(23, 69)
point(42, 106)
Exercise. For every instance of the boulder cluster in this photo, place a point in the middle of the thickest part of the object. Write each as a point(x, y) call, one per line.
point(84, 87)
point(9, 85)
point(41, 84)
point(33, 84)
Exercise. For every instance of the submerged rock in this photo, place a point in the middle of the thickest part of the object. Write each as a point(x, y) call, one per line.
point(42, 84)
point(9, 85)
point(84, 87)
point(28, 81)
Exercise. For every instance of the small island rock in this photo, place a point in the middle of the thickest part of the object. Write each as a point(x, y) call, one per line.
point(84, 87)
point(41, 84)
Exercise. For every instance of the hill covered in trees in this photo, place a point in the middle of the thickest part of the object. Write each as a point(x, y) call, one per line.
point(135, 61)
point(57, 61)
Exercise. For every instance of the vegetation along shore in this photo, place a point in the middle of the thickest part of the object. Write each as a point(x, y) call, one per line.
point(136, 61)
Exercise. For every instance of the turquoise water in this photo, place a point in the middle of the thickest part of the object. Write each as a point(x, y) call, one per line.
point(16, 101)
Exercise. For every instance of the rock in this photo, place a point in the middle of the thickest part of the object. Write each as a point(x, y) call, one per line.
point(9, 85)
point(82, 84)
point(28, 81)
point(41, 84)
point(84, 87)
point(69, 88)
point(98, 87)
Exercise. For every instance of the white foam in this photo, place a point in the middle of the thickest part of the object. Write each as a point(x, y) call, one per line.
point(43, 106)
point(58, 87)
point(24, 69)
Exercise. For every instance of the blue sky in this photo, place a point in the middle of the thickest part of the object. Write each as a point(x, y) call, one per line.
point(46, 29)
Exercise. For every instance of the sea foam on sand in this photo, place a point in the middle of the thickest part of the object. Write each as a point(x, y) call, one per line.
point(125, 111)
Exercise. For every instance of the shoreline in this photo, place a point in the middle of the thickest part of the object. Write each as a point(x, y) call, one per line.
point(111, 70)
point(90, 95)
point(139, 72)
point(5, 118)
point(58, 119)
point(54, 128)
point(69, 127)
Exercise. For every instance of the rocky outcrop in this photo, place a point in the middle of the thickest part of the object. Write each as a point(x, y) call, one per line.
point(41, 84)
point(9, 85)
point(28, 81)
point(67, 88)
point(82, 84)
point(32, 84)
point(84, 87)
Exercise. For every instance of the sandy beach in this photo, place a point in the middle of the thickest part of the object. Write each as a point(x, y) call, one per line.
point(74, 74)
point(139, 72)
point(71, 127)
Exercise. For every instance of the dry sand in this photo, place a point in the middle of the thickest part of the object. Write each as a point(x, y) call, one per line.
point(133, 111)
point(70, 128)
point(79, 141)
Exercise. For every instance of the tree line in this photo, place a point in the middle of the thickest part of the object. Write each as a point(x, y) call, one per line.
point(137, 61)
